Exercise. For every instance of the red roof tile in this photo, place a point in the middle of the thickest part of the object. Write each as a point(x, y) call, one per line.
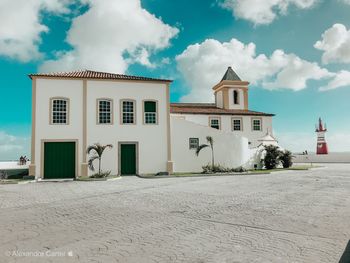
point(210, 109)
point(89, 74)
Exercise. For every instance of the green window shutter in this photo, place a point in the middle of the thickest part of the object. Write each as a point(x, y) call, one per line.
point(150, 106)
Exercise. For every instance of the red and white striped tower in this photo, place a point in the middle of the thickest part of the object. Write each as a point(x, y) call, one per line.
point(322, 147)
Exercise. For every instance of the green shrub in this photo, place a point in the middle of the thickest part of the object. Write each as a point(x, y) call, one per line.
point(207, 169)
point(101, 174)
point(271, 159)
point(239, 169)
point(217, 168)
point(286, 159)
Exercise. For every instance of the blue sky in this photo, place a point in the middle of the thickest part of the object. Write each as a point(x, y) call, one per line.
point(288, 50)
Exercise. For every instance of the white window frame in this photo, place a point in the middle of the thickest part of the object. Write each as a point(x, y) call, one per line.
point(98, 119)
point(52, 111)
point(215, 118)
point(253, 125)
point(193, 145)
point(240, 123)
point(122, 112)
point(145, 113)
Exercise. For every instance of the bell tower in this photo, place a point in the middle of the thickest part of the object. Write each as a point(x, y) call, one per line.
point(231, 92)
point(322, 147)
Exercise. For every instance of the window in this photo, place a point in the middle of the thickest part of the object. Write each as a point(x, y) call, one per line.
point(59, 111)
point(237, 124)
point(104, 111)
point(256, 124)
point(235, 97)
point(128, 112)
point(215, 123)
point(150, 112)
point(194, 143)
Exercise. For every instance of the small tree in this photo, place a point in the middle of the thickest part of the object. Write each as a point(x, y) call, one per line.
point(210, 144)
point(98, 149)
point(271, 159)
point(286, 159)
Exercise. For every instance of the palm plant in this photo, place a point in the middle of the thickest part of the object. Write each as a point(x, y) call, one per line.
point(210, 144)
point(98, 149)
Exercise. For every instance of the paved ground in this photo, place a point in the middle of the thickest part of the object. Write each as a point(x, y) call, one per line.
point(282, 217)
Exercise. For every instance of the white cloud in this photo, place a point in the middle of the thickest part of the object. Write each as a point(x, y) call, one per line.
point(335, 44)
point(346, 1)
point(11, 147)
point(21, 26)
point(300, 141)
point(111, 35)
point(203, 65)
point(263, 12)
point(341, 79)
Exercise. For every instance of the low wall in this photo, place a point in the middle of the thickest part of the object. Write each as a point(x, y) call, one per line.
point(327, 158)
point(13, 165)
point(229, 150)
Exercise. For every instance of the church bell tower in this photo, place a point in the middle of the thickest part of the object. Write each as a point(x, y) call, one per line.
point(231, 93)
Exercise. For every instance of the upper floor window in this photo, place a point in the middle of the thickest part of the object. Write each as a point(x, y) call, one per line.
point(193, 143)
point(104, 111)
point(59, 111)
point(236, 124)
point(256, 124)
point(150, 112)
point(235, 97)
point(128, 112)
point(215, 123)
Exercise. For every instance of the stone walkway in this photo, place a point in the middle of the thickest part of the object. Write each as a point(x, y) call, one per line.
point(282, 217)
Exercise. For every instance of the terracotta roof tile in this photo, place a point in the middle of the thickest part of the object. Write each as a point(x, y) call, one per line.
point(89, 74)
point(210, 109)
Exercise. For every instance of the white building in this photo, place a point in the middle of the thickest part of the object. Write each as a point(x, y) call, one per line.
point(239, 131)
point(73, 110)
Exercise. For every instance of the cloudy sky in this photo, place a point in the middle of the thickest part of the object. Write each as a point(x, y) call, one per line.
point(295, 54)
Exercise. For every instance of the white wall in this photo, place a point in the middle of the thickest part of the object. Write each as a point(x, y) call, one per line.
point(152, 139)
point(230, 150)
point(219, 99)
point(340, 157)
point(226, 126)
point(46, 89)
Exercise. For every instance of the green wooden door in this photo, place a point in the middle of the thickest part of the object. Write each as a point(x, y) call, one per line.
point(128, 159)
point(59, 160)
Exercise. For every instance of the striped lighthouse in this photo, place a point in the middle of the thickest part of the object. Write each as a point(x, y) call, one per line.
point(321, 130)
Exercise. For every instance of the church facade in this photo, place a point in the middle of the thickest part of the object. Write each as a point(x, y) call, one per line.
point(237, 130)
point(230, 112)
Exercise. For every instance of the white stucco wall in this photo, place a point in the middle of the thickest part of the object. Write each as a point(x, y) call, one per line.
point(219, 99)
point(226, 126)
point(152, 139)
point(49, 88)
point(230, 150)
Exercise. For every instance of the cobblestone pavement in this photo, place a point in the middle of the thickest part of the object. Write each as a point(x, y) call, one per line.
point(282, 217)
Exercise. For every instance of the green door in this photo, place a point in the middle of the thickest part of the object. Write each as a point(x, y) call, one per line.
point(59, 160)
point(128, 159)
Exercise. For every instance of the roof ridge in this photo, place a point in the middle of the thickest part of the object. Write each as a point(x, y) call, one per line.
point(93, 74)
point(208, 109)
